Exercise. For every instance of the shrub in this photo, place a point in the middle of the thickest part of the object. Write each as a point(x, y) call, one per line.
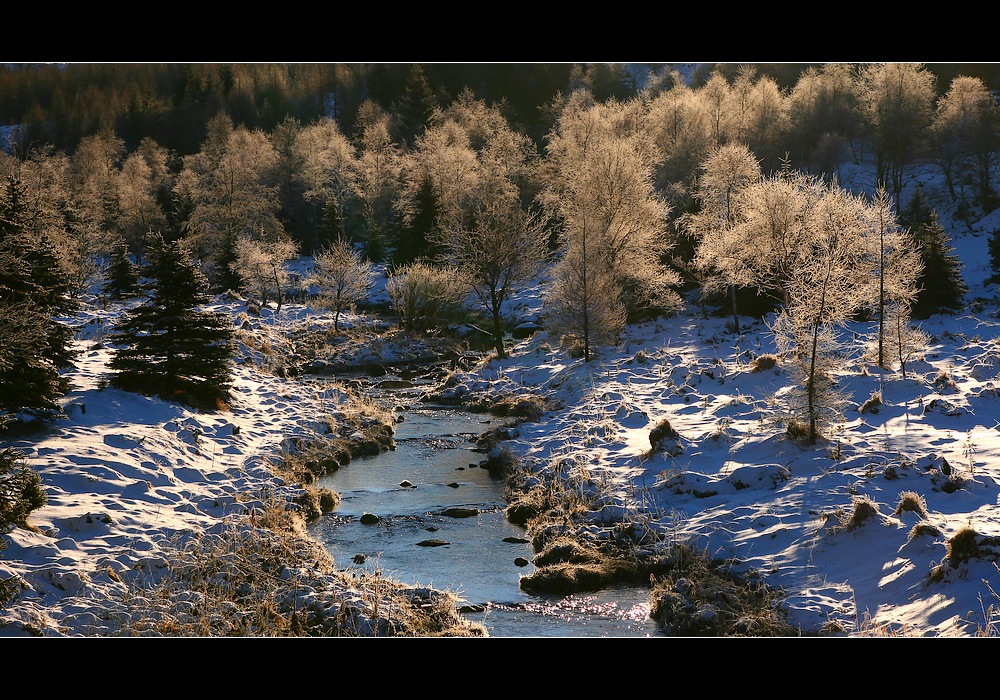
point(873, 403)
point(660, 432)
point(20, 489)
point(764, 362)
point(425, 296)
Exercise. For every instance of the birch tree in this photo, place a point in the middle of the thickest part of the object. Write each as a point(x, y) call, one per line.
point(478, 166)
point(343, 277)
point(896, 266)
point(898, 99)
point(724, 174)
point(375, 184)
point(500, 250)
point(829, 285)
point(965, 129)
point(229, 190)
point(614, 224)
point(262, 268)
point(325, 162)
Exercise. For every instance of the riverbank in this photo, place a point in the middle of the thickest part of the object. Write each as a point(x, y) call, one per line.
point(164, 521)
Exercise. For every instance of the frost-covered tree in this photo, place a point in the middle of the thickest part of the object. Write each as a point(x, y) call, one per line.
point(34, 290)
point(121, 278)
point(830, 284)
point(727, 171)
point(425, 296)
point(343, 278)
point(477, 167)
point(679, 128)
point(94, 177)
point(500, 250)
point(896, 265)
point(263, 268)
point(324, 162)
point(583, 301)
point(614, 231)
point(824, 116)
point(170, 345)
point(758, 115)
point(138, 210)
point(966, 132)
point(898, 99)
point(375, 184)
point(228, 188)
point(903, 340)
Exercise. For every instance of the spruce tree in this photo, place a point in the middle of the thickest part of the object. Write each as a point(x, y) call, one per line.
point(993, 246)
point(940, 284)
point(941, 287)
point(34, 289)
point(168, 346)
point(122, 278)
point(419, 228)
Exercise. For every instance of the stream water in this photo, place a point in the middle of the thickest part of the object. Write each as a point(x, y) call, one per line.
point(433, 468)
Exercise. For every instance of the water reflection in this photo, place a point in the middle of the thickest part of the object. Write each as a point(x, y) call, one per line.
point(432, 469)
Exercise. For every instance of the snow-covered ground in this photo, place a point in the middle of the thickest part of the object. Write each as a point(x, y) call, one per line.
point(124, 474)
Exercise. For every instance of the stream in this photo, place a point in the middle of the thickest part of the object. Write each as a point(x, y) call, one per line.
point(480, 558)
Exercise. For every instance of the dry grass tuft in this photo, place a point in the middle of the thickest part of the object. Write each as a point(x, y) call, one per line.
point(911, 502)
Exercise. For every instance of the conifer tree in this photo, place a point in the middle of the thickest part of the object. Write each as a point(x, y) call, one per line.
point(419, 226)
point(993, 247)
point(942, 289)
point(121, 281)
point(168, 346)
point(34, 289)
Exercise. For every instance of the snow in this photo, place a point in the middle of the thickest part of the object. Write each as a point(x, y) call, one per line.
point(126, 474)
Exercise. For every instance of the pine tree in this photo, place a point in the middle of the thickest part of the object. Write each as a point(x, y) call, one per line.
point(418, 228)
point(122, 277)
point(168, 346)
point(34, 289)
point(993, 245)
point(21, 490)
point(942, 289)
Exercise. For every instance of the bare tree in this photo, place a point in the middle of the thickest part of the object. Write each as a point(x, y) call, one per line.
point(829, 285)
point(965, 128)
point(262, 265)
point(343, 277)
point(725, 173)
point(896, 267)
point(614, 224)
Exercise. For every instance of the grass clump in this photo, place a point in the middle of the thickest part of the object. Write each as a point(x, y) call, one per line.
point(258, 575)
point(705, 597)
point(911, 502)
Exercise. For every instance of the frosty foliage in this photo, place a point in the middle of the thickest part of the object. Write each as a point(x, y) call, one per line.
point(614, 223)
point(262, 267)
point(342, 277)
